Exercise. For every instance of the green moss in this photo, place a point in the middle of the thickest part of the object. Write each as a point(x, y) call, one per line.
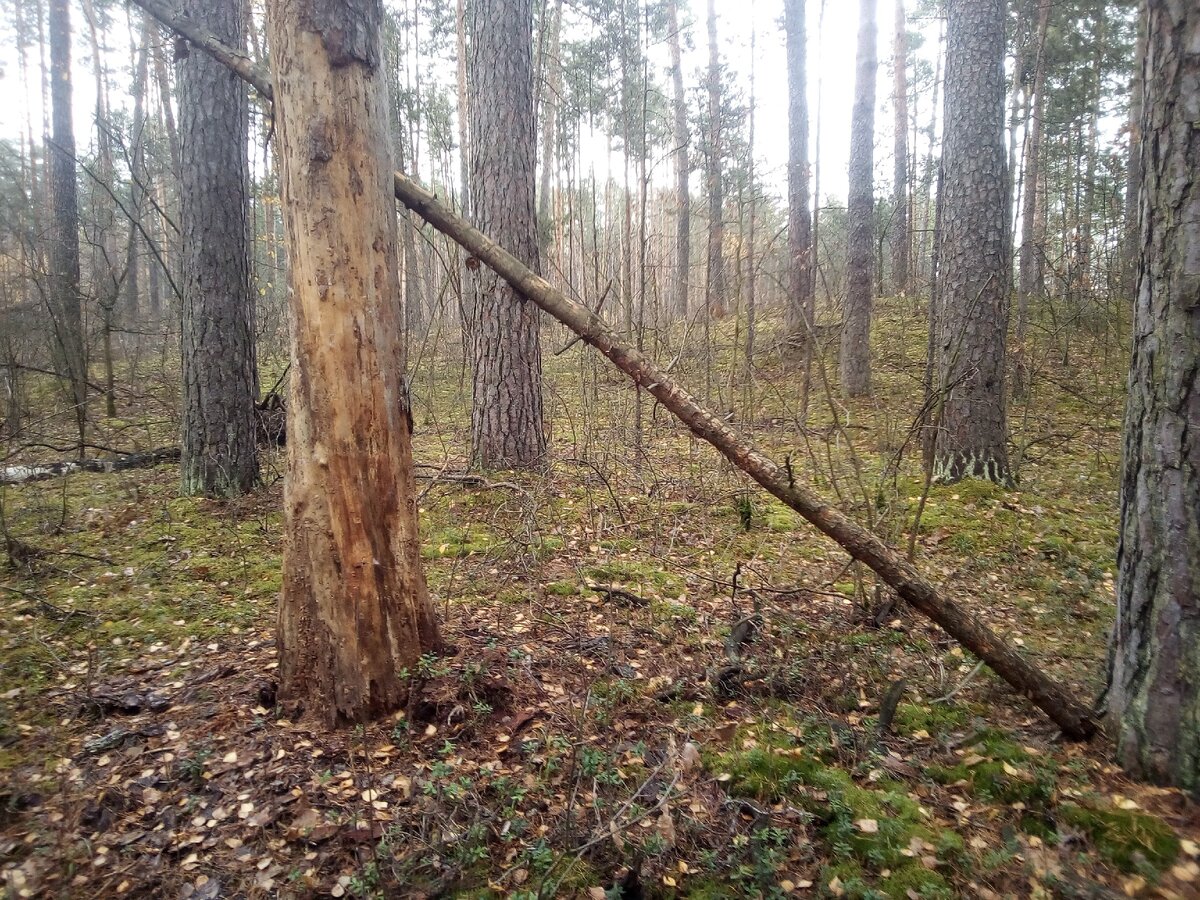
point(970, 490)
point(940, 719)
point(914, 879)
point(1128, 839)
point(458, 541)
point(849, 877)
point(997, 768)
point(666, 611)
point(780, 519)
point(869, 829)
point(10, 759)
point(710, 889)
point(634, 573)
point(572, 877)
point(994, 781)
point(562, 589)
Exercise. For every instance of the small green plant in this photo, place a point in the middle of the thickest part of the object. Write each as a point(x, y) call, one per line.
point(192, 767)
point(367, 882)
point(541, 857)
point(430, 665)
point(745, 510)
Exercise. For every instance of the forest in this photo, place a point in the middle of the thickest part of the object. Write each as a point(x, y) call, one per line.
point(600, 448)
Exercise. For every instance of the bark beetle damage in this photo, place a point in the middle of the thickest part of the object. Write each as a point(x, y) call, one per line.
point(346, 30)
point(320, 140)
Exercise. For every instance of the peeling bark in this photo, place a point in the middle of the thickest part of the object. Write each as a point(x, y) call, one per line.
point(354, 611)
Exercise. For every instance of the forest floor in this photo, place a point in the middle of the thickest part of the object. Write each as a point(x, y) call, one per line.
point(595, 731)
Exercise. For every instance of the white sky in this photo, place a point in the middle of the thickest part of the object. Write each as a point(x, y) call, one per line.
point(830, 60)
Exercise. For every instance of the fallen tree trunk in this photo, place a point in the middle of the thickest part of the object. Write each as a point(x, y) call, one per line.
point(1048, 695)
point(42, 471)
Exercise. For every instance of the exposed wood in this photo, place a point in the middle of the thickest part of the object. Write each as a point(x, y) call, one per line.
point(354, 612)
point(1048, 695)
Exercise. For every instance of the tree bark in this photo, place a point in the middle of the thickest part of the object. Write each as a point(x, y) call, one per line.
point(801, 311)
point(552, 71)
point(1049, 696)
point(1130, 241)
point(715, 288)
point(683, 197)
point(220, 374)
point(974, 254)
point(901, 239)
point(465, 278)
point(1032, 251)
point(66, 305)
point(137, 164)
point(1155, 695)
point(355, 611)
point(860, 289)
point(506, 414)
point(108, 269)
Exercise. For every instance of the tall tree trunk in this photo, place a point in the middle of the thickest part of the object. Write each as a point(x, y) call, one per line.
point(1084, 231)
point(220, 375)
point(170, 252)
point(1031, 251)
point(552, 71)
point(932, 169)
point(860, 288)
point(137, 166)
point(108, 269)
point(162, 77)
point(66, 305)
point(901, 239)
point(715, 288)
point(800, 303)
point(355, 611)
point(1019, 101)
point(751, 261)
point(466, 279)
point(1154, 697)
point(626, 197)
point(1130, 241)
point(683, 197)
point(974, 257)
point(506, 414)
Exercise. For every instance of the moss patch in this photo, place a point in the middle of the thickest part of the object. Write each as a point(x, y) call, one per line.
point(911, 718)
point(1130, 840)
point(877, 832)
point(996, 768)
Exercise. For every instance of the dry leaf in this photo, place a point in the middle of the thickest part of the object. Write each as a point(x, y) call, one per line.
point(666, 827)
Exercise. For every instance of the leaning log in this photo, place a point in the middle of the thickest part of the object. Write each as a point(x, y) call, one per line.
point(1051, 697)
